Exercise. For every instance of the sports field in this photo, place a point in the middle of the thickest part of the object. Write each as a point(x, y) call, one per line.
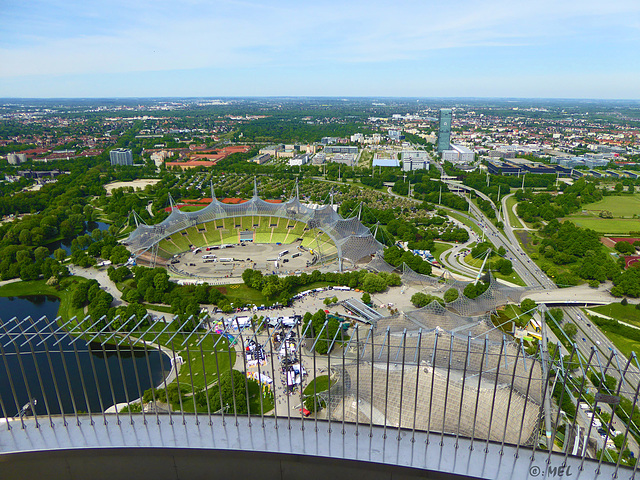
point(611, 226)
point(621, 206)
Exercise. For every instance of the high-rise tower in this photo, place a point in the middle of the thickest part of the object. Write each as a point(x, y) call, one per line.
point(444, 130)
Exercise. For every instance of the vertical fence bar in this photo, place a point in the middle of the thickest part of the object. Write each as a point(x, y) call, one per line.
point(475, 411)
point(13, 388)
point(273, 377)
point(415, 400)
point(204, 376)
point(446, 389)
point(38, 374)
point(433, 379)
point(151, 382)
point(546, 378)
point(260, 351)
point(244, 361)
point(343, 375)
point(124, 381)
point(595, 403)
point(513, 379)
point(51, 370)
point(493, 400)
point(464, 378)
point(66, 374)
point(329, 375)
point(404, 351)
point(557, 422)
point(613, 411)
point(357, 333)
point(215, 355)
point(524, 409)
point(371, 390)
point(95, 378)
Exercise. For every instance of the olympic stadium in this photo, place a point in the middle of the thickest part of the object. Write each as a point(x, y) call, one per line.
point(321, 235)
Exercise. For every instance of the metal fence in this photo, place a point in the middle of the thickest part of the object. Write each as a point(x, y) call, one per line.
point(426, 377)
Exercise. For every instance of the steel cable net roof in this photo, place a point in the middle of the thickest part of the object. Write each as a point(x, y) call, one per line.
point(496, 295)
point(464, 377)
point(353, 240)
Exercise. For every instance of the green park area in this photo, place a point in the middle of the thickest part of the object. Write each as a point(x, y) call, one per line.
point(620, 206)
point(477, 263)
point(622, 209)
point(439, 248)
point(625, 313)
point(513, 218)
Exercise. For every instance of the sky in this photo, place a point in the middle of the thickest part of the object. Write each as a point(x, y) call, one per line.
point(423, 48)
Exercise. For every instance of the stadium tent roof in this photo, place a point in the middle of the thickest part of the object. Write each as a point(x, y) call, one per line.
point(353, 240)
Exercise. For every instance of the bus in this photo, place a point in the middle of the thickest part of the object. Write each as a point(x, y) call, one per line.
point(206, 257)
point(535, 324)
point(296, 255)
point(225, 259)
point(283, 253)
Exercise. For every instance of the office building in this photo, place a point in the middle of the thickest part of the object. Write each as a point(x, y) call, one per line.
point(444, 130)
point(415, 160)
point(121, 156)
point(458, 154)
point(341, 149)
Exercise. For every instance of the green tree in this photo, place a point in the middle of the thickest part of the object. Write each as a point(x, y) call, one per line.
point(366, 298)
point(59, 254)
point(451, 295)
point(527, 304)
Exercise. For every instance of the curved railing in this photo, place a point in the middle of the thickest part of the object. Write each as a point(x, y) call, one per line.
point(427, 392)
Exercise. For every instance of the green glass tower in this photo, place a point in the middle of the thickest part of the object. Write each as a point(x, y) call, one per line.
point(444, 130)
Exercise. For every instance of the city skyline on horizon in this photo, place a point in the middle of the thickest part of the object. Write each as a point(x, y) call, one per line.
point(499, 49)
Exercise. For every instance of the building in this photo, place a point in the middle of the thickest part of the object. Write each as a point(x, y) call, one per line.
point(395, 135)
point(341, 149)
point(385, 162)
point(415, 160)
point(121, 156)
point(458, 154)
point(348, 159)
point(16, 158)
point(272, 149)
point(299, 160)
point(444, 130)
point(261, 158)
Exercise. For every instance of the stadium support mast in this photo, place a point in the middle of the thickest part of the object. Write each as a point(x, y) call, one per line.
point(172, 203)
point(213, 193)
point(297, 190)
point(255, 188)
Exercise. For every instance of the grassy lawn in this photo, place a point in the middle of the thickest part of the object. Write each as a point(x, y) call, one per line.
point(610, 226)
point(39, 287)
point(439, 248)
point(321, 384)
point(477, 263)
point(192, 208)
point(626, 313)
point(466, 221)
point(513, 219)
point(622, 343)
point(619, 206)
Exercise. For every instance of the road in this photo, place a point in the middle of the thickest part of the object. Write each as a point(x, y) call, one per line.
point(589, 336)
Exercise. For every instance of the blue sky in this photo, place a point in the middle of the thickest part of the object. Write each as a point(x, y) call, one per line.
point(428, 48)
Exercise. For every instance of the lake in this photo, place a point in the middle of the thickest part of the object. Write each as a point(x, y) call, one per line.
point(65, 243)
point(35, 373)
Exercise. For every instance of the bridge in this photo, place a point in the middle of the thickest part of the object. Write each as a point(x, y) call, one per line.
point(429, 394)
